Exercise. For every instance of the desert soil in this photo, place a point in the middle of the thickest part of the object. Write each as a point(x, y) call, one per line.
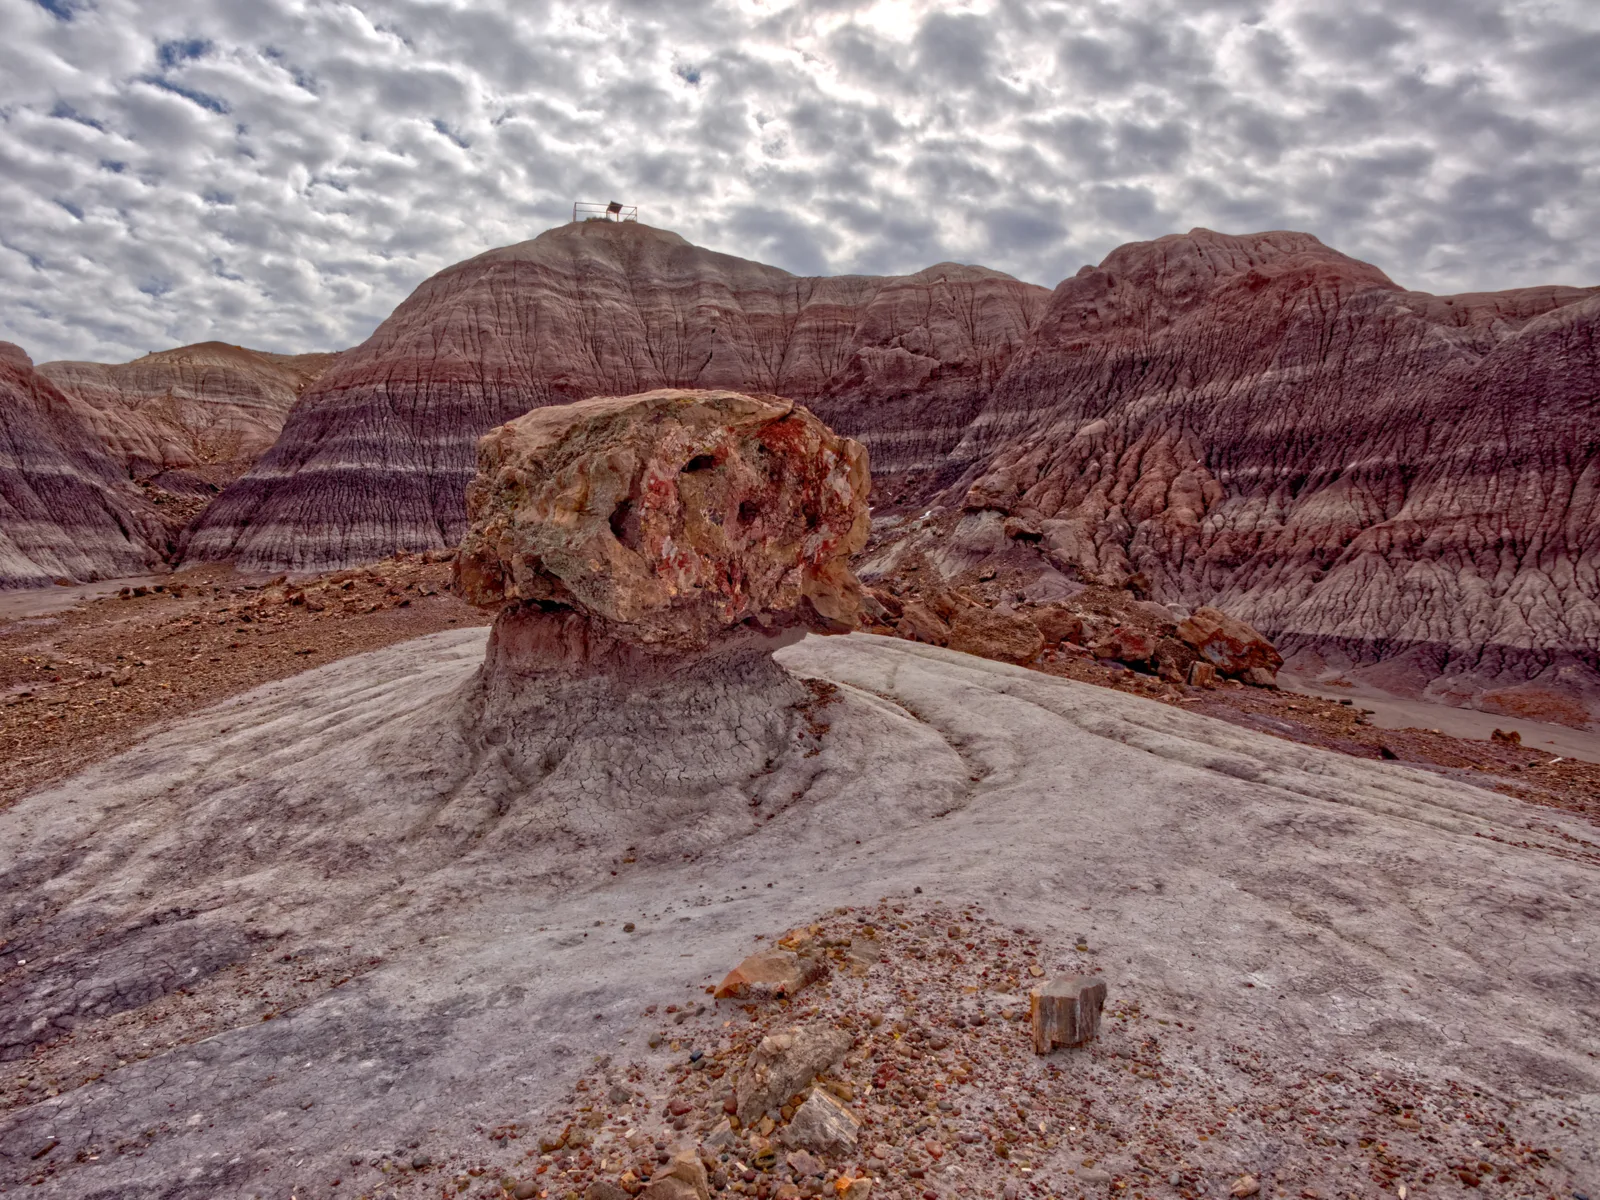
point(1372, 975)
point(203, 634)
point(85, 674)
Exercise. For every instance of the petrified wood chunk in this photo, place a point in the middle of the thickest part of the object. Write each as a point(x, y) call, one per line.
point(1066, 1011)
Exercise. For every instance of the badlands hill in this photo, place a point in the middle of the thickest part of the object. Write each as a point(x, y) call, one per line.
point(194, 417)
point(1385, 481)
point(1368, 474)
point(378, 454)
point(66, 509)
point(152, 440)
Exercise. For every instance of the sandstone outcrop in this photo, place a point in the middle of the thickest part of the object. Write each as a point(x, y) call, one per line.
point(663, 524)
point(378, 454)
point(65, 510)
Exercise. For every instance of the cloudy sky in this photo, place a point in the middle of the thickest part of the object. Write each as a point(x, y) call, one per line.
point(281, 173)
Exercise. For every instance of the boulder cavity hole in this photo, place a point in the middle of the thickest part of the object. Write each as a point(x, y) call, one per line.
point(624, 530)
point(700, 462)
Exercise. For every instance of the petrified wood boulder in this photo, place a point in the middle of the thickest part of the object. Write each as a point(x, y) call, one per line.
point(622, 530)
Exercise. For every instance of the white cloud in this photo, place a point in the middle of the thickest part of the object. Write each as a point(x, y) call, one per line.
point(281, 173)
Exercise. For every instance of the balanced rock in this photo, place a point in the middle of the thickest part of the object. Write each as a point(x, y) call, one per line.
point(663, 524)
point(647, 554)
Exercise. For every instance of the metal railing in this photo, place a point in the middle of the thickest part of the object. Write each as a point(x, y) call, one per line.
point(585, 210)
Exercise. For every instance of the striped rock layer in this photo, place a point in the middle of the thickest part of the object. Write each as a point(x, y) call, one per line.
point(1377, 478)
point(66, 510)
point(194, 418)
point(1382, 480)
point(379, 452)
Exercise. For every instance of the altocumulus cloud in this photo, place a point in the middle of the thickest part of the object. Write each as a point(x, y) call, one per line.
point(280, 173)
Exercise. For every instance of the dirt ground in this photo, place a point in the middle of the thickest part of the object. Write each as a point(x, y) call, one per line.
point(279, 953)
point(79, 685)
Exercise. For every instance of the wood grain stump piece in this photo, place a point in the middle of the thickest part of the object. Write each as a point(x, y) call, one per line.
point(1066, 1011)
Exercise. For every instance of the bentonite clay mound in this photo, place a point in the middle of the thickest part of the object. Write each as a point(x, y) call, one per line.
point(191, 417)
point(65, 510)
point(666, 522)
point(379, 452)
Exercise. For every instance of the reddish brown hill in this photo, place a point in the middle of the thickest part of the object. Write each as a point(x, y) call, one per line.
point(378, 454)
point(1373, 476)
point(65, 507)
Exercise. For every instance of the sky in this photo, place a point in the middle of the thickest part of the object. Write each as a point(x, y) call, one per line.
point(281, 173)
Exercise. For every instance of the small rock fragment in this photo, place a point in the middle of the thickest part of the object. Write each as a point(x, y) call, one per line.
point(602, 1189)
point(769, 974)
point(1059, 625)
point(1202, 674)
point(803, 1162)
point(784, 1064)
point(824, 1125)
point(683, 1177)
point(1228, 643)
point(864, 951)
point(918, 624)
point(721, 1136)
point(1245, 1185)
point(1066, 1011)
point(1126, 645)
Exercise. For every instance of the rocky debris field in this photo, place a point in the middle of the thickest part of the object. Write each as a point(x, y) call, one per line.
point(916, 1046)
point(1004, 608)
point(80, 685)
